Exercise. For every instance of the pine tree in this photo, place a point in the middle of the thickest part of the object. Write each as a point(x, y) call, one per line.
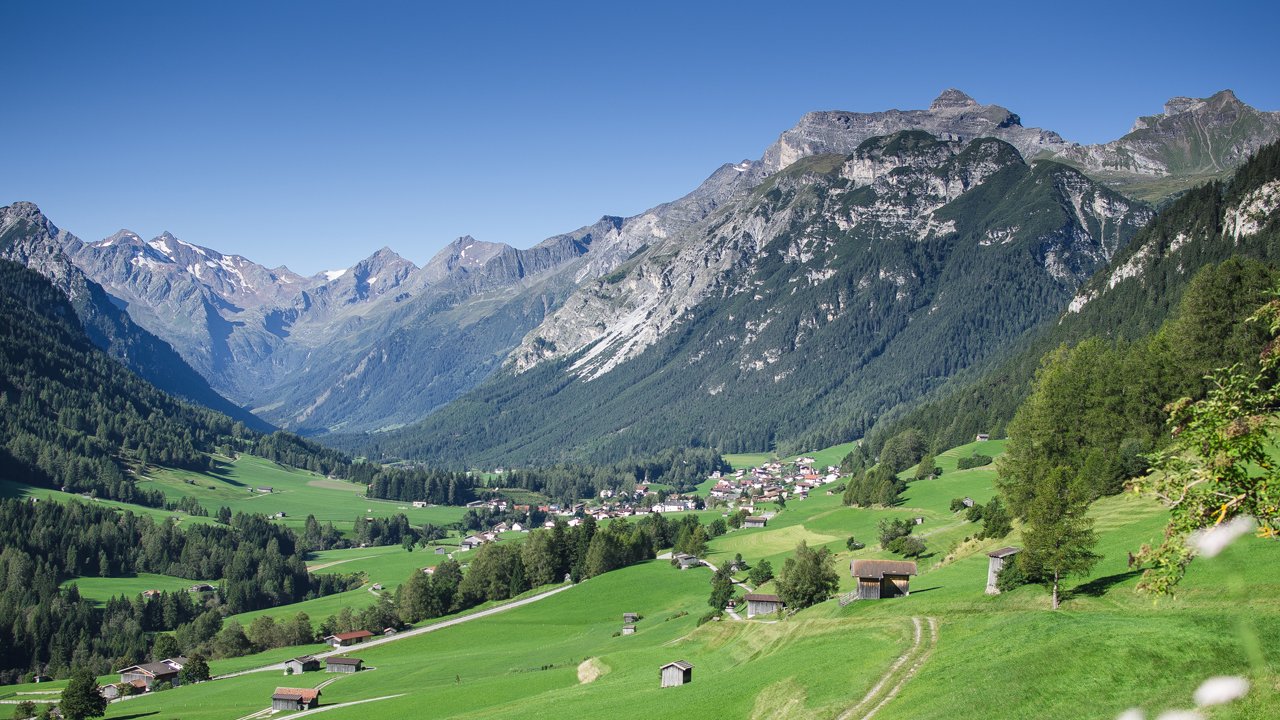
point(81, 698)
point(1058, 533)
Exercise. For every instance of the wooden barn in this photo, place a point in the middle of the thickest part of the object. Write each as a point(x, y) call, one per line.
point(299, 665)
point(880, 579)
point(676, 673)
point(628, 629)
point(342, 664)
point(348, 638)
point(995, 563)
point(630, 617)
point(294, 698)
point(760, 604)
point(755, 522)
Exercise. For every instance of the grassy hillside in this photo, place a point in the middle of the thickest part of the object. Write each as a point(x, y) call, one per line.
point(297, 493)
point(1107, 650)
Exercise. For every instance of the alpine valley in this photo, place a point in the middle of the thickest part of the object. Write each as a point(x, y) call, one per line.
point(1017, 386)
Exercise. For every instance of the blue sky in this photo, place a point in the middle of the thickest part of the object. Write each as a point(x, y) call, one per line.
point(312, 134)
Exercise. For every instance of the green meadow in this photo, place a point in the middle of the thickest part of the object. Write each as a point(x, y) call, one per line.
point(105, 588)
point(297, 493)
point(1107, 650)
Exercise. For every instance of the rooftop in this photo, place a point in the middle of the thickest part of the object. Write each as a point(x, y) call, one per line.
point(877, 569)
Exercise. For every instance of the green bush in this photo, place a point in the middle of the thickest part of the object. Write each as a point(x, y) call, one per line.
point(973, 461)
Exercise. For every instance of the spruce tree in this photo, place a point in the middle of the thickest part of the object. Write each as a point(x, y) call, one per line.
point(1058, 533)
point(81, 698)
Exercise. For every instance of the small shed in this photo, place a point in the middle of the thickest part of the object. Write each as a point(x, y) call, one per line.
point(343, 664)
point(294, 699)
point(676, 673)
point(761, 604)
point(755, 521)
point(995, 563)
point(441, 551)
point(982, 437)
point(918, 520)
point(301, 664)
point(630, 617)
point(881, 579)
point(628, 629)
point(967, 502)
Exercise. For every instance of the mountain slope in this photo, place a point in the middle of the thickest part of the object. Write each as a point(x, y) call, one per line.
point(1217, 225)
point(29, 238)
point(843, 287)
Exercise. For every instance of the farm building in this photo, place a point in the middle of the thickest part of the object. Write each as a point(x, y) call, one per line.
point(686, 561)
point(676, 673)
point(995, 563)
point(470, 542)
point(880, 579)
point(981, 437)
point(628, 629)
point(110, 692)
point(201, 587)
point(441, 551)
point(630, 617)
point(755, 522)
point(348, 638)
point(151, 674)
point(760, 604)
point(299, 665)
point(342, 664)
point(918, 520)
point(294, 698)
point(967, 502)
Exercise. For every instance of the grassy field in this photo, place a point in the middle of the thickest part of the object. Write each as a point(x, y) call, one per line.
point(1006, 656)
point(10, 489)
point(297, 493)
point(102, 589)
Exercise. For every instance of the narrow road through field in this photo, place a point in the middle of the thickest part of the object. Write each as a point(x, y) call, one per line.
point(409, 633)
point(898, 674)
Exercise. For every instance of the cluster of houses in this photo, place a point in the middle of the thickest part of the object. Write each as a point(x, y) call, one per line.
point(774, 481)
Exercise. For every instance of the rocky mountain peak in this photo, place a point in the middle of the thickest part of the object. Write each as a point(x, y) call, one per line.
point(952, 98)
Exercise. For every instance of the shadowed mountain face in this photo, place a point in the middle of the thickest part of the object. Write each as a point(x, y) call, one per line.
point(386, 342)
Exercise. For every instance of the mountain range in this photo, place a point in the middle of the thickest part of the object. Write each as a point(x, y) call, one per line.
point(819, 280)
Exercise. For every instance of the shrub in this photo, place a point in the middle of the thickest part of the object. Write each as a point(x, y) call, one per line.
point(853, 544)
point(973, 461)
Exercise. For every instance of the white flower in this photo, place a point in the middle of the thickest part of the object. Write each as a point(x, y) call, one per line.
point(1132, 714)
point(1181, 715)
point(1221, 689)
point(1211, 541)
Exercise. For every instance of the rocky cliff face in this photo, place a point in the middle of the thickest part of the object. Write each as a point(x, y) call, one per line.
point(952, 116)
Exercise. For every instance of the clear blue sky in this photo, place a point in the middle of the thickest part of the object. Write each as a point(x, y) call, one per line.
point(313, 133)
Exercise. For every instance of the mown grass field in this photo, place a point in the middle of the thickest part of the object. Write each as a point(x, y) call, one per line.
point(10, 489)
point(105, 588)
point(297, 493)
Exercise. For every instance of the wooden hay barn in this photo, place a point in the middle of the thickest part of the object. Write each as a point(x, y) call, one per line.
point(299, 665)
point(294, 698)
point(755, 522)
point(676, 673)
point(995, 563)
point(628, 629)
point(881, 579)
point(760, 604)
point(342, 664)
